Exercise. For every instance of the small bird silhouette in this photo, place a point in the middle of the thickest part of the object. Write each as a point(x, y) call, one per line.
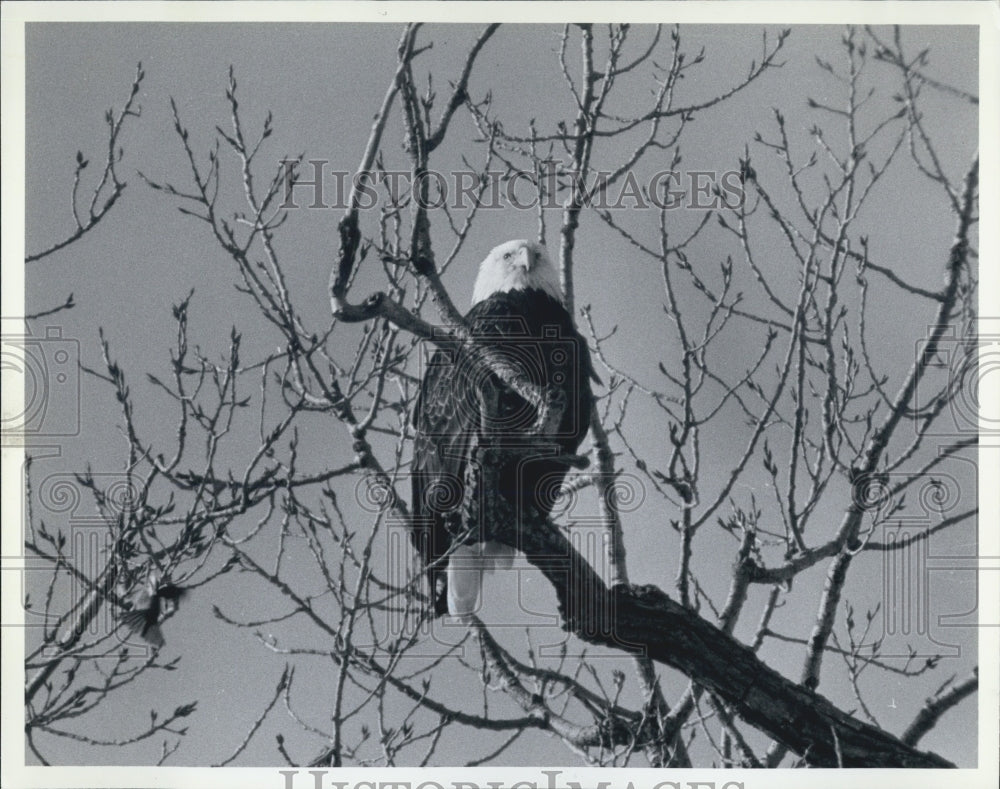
point(149, 607)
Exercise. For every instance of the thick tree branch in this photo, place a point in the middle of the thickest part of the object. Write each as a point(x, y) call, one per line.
point(646, 620)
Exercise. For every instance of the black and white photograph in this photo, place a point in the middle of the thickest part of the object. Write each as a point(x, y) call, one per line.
point(534, 395)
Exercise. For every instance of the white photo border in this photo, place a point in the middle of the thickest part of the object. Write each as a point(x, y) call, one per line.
point(985, 15)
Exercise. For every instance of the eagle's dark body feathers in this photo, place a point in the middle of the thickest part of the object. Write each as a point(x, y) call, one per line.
point(534, 331)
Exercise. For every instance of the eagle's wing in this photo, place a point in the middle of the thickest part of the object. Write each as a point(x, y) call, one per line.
point(445, 421)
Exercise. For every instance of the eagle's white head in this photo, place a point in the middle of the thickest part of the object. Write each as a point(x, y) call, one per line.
point(516, 265)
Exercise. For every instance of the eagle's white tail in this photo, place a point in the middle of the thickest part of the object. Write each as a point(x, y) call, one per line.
point(466, 566)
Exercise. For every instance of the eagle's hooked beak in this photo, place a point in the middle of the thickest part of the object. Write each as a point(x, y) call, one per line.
point(524, 258)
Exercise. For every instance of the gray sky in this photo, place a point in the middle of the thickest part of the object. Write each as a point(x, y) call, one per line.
point(323, 84)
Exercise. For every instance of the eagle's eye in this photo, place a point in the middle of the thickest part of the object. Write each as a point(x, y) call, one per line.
point(507, 255)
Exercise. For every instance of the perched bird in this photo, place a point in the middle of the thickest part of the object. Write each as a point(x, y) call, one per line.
point(151, 605)
point(518, 314)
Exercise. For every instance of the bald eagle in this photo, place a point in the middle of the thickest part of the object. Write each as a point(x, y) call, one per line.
point(517, 311)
